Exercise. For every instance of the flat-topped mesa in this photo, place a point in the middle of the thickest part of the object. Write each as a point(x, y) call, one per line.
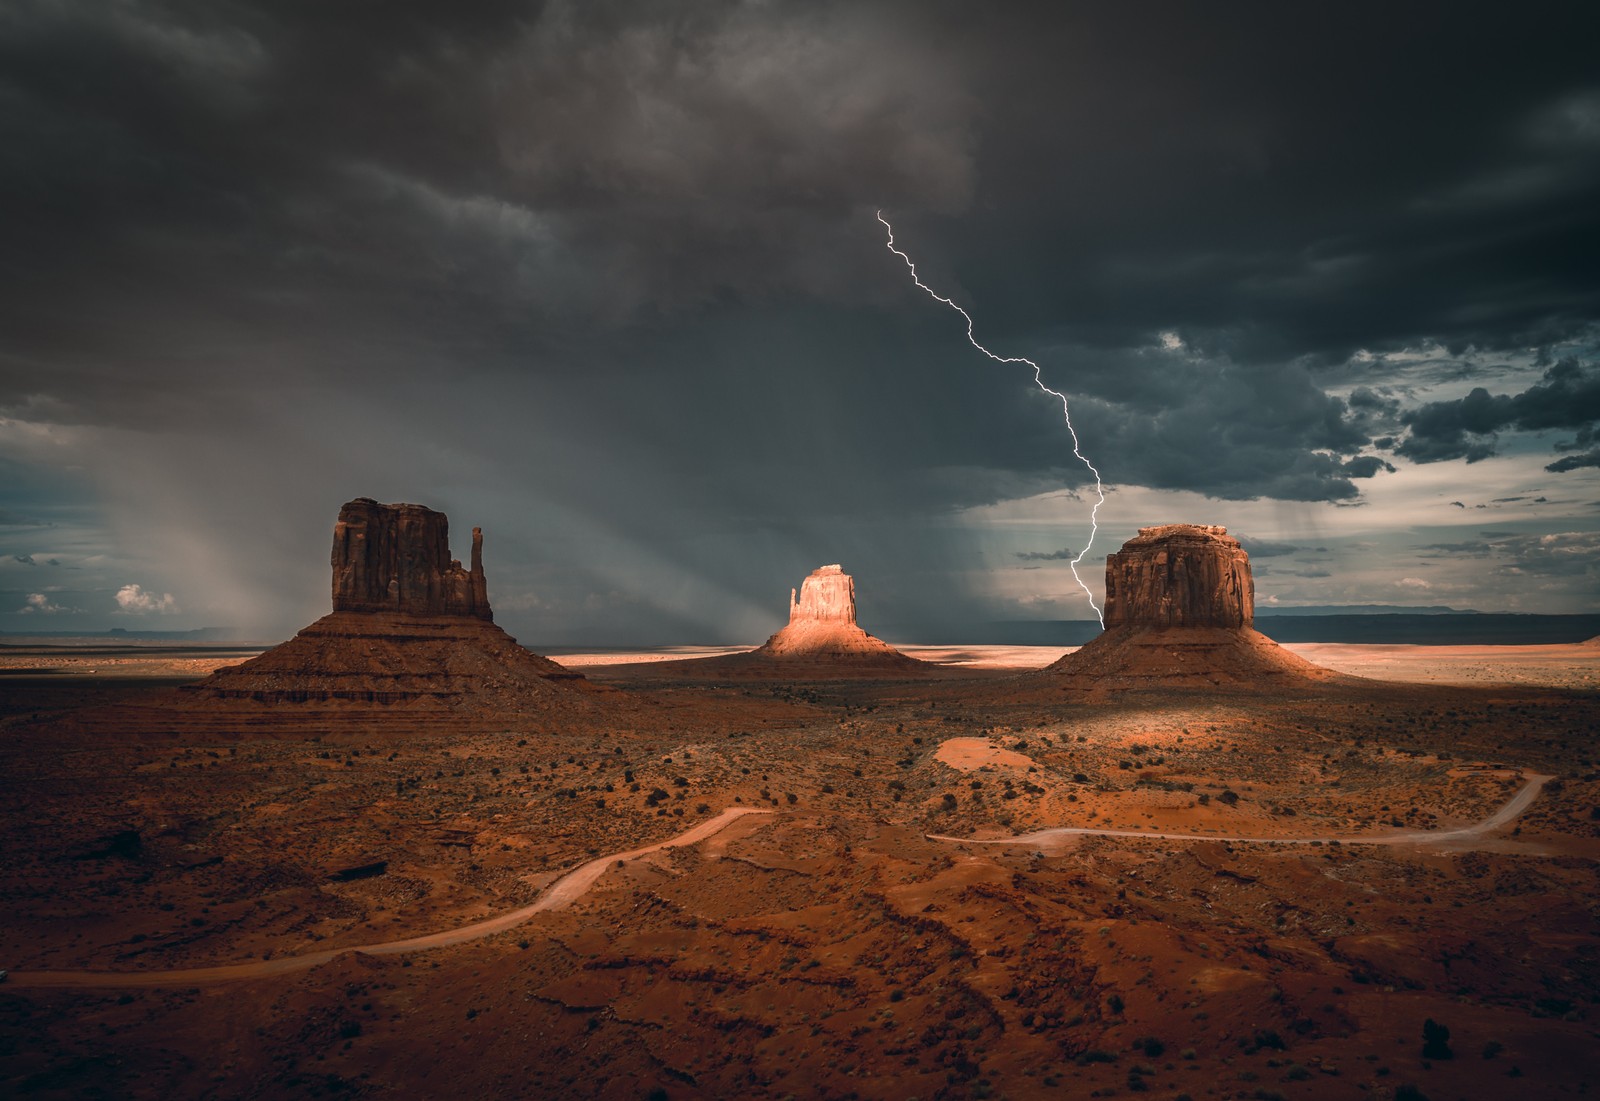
point(1179, 607)
point(1180, 575)
point(827, 595)
point(396, 559)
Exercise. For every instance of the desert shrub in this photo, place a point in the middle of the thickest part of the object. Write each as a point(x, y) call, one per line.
point(1228, 796)
point(1435, 1040)
point(1263, 1038)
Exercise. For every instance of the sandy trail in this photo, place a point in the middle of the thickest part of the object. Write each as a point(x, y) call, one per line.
point(563, 892)
point(1514, 806)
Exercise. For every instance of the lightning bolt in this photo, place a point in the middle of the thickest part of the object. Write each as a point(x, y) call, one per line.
point(1066, 413)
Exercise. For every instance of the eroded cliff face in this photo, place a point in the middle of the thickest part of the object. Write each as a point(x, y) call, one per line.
point(827, 595)
point(396, 559)
point(1180, 575)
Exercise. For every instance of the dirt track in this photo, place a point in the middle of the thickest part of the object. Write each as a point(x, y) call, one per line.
point(1514, 806)
point(563, 892)
point(572, 886)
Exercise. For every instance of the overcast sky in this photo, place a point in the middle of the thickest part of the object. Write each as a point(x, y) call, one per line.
point(606, 280)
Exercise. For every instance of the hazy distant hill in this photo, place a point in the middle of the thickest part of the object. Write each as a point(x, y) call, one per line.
point(1263, 610)
point(1362, 624)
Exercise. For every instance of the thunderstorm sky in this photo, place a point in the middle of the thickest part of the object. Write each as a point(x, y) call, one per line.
point(606, 279)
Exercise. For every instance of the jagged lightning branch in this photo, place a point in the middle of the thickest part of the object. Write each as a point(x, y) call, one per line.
point(1066, 412)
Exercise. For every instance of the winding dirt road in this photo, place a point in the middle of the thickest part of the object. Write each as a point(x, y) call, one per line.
point(563, 892)
point(572, 886)
point(1514, 806)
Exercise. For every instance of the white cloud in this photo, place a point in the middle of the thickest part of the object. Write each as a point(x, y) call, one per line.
point(1413, 583)
point(133, 600)
point(40, 604)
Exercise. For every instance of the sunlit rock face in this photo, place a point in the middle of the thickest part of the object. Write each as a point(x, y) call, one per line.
point(396, 559)
point(1180, 575)
point(822, 621)
point(827, 595)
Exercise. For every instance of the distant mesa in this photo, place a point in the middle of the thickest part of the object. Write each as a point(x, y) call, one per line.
point(821, 642)
point(410, 628)
point(1180, 604)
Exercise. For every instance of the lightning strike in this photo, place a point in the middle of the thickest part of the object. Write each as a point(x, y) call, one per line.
point(1066, 413)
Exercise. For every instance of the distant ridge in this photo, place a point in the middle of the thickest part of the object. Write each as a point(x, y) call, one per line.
point(1400, 628)
point(1359, 609)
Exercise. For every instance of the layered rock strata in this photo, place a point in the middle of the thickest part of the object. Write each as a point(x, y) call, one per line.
point(396, 558)
point(1180, 602)
point(1180, 575)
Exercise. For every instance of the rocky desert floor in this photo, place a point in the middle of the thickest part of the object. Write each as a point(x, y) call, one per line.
point(855, 931)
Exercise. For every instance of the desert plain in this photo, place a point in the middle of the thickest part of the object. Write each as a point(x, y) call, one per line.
point(831, 942)
point(401, 855)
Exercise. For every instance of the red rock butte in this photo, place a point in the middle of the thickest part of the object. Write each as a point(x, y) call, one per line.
point(411, 629)
point(821, 642)
point(822, 621)
point(1180, 602)
point(1180, 575)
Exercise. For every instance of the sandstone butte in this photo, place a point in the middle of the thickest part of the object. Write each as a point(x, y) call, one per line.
point(822, 622)
point(822, 641)
point(410, 630)
point(1180, 604)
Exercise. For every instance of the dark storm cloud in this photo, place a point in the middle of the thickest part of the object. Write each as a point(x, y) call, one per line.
point(1574, 462)
point(1065, 554)
point(1567, 397)
point(616, 261)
